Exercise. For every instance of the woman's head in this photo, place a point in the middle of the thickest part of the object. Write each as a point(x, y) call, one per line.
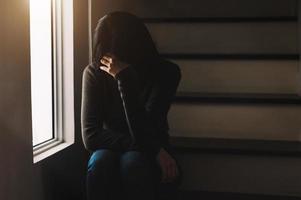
point(125, 36)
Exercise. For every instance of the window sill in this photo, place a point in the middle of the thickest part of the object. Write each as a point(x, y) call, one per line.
point(52, 147)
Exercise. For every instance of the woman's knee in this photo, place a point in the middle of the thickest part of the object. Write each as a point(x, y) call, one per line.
point(135, 165)
point(103, 160)
point(102, 176)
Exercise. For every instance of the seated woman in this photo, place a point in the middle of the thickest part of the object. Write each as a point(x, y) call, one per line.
point(126, 94)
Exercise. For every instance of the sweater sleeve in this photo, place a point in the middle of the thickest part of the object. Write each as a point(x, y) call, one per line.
point(146, 121)
point(93, 134)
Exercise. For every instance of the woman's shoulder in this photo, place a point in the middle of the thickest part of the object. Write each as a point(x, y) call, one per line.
point(91, 72)
point(91, 69)
point(169, 68)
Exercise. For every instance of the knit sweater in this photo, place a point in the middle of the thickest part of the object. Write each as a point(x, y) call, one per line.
point(128, 112)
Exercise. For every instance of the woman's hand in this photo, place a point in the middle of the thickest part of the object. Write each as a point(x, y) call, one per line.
point(168, 166)
point(112, 65)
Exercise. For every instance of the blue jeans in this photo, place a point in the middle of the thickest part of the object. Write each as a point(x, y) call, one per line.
point(129, 175)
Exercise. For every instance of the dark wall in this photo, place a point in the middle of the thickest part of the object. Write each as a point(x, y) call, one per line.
point(15, 112)
point(194, 8)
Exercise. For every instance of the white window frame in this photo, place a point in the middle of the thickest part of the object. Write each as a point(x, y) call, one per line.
point(63, 81)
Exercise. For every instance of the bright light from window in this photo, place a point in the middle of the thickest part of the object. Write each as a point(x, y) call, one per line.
point(41, 70)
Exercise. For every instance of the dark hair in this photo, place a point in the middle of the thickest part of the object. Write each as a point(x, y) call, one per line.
point(124, 35)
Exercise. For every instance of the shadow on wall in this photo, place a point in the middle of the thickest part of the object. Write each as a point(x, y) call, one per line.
point(15, 165)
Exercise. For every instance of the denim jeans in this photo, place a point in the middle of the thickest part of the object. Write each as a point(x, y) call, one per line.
point(129, 175)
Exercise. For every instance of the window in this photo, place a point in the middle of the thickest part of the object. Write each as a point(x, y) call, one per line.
point(41, 71)
point(51, 51)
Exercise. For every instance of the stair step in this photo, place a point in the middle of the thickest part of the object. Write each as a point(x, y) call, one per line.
point(204, 195)
point(235, 146)
point(194, 97)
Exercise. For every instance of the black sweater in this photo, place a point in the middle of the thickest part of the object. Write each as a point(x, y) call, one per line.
point(128, 111)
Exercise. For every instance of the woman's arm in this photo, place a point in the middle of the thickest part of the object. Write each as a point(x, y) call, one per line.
point(92, 115)
point(147, 121)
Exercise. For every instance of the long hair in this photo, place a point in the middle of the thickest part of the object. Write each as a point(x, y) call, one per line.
point(124, 35)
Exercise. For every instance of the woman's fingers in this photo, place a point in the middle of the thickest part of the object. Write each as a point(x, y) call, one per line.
point(176, 169)
point(105, 62)
point(104, 68)
point(108, 58)
point(169, 171)
point(164, 173)
point(172, 171)
point(169, 167)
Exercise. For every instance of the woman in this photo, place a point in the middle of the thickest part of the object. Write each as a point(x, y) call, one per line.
point(126, 94)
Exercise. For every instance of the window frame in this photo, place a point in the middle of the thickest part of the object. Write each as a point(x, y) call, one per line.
point(62, 82)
